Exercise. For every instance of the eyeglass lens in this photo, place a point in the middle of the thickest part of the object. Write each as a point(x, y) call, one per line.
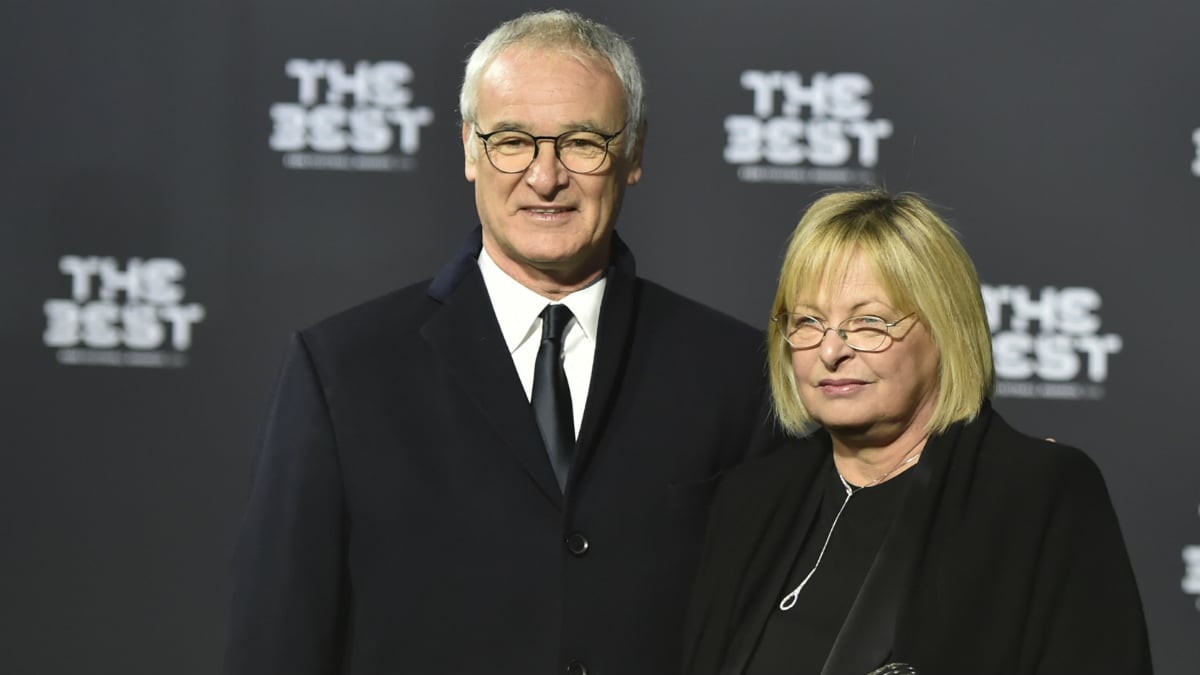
point(864, 333)
point(579, 151)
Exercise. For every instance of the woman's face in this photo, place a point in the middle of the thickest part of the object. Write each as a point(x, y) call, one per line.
point(866, 397)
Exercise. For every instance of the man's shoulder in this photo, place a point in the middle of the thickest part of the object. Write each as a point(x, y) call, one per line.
point(661, 303)
point(382, 317)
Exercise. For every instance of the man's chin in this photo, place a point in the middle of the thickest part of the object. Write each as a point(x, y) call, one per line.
point(565, 265)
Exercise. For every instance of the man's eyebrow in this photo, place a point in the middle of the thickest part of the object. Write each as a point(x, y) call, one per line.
point(506, 126)
point(583, 125)
point(590, 125)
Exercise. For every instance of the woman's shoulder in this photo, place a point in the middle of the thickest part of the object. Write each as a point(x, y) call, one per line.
point(1034, 460)
point(748, 496)
point(790, 460)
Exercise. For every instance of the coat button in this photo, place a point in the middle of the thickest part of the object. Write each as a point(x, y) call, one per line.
point(576, 668)
point(578, 545)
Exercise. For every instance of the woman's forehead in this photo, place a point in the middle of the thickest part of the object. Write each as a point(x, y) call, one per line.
point(850, 274)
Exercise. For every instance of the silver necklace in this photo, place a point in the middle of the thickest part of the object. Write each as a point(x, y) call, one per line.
point(909, 457)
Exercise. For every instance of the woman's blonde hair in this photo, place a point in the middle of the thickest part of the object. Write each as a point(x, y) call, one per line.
point(923, 267)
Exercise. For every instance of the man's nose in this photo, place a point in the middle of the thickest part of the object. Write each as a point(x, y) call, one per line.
point(546, 174)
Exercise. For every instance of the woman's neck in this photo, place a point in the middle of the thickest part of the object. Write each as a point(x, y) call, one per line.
point(864, 462)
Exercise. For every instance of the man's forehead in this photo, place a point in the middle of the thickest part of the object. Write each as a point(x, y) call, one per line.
point(528, 87)
point(516, 62)
point(521, 54)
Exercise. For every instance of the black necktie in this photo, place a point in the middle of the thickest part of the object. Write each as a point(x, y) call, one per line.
point(551, 399)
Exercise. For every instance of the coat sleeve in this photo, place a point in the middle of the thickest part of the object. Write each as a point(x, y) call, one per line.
point(287, 616)
point(1087, 614)
point(704, 625)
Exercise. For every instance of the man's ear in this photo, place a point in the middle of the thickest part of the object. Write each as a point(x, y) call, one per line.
point(635, 159)
point(468, 137)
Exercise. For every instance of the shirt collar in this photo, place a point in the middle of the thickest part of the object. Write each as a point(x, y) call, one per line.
point(518, 308)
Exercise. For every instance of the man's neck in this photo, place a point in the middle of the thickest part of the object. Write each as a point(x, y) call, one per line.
point(551, 282)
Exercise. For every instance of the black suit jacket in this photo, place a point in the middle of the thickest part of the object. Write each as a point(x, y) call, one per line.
point(404, 517)
point(1005, 558)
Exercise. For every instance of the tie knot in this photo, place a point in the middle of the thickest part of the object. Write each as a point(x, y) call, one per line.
point(554, 321)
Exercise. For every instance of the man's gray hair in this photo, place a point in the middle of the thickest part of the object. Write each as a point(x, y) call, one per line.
point(571, 33)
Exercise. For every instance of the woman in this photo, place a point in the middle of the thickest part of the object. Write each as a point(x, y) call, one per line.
point(917, 527)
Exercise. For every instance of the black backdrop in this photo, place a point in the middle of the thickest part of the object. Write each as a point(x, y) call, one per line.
point(165, 227)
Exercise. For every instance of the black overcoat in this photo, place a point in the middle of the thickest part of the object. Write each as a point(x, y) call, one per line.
point(404, 517)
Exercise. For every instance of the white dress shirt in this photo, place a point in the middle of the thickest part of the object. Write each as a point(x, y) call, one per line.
point(517, 310)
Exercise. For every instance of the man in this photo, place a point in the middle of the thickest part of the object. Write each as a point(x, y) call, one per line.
point(411, 512)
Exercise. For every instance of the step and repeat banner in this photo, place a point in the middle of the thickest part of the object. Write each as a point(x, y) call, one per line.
point(184, 184)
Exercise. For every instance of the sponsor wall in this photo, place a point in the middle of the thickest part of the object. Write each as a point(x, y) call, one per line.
point(186, 184)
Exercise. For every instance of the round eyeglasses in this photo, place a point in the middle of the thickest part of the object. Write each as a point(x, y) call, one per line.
point(860, 333)
point(512, 151)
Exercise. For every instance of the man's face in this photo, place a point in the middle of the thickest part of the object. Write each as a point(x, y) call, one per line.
point(548, 227)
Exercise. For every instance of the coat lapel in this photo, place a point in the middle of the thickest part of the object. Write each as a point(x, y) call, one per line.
point(868, 636)
point(792, 521)
point(868, 633)
point(617, 312)
point(465, 335)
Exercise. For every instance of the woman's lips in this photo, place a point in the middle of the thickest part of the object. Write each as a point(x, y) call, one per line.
point(841, 387)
